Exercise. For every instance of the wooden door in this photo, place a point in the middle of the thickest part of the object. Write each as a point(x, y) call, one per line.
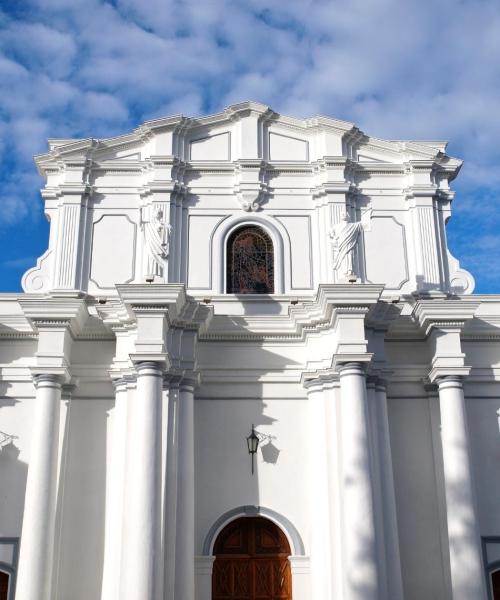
point(251, 562)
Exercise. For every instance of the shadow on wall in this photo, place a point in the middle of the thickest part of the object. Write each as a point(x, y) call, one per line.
point(81, 498)
point(13, 475)
point(225, 411)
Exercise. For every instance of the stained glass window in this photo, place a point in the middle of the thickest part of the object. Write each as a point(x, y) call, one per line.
point(250, 262)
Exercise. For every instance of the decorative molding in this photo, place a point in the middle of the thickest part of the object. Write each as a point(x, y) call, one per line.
point(460, 280)
point(250, 187)
point(38, 279)
point(291, 532)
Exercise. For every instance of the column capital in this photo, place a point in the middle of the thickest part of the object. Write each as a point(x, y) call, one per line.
point(187, 385)
point(437, 373)
point(351, 368)
point(450, 381)
point(153, 357)
point(189, 381)
point(153, 368)
point(362, 358)
point(54, 380)
point(181, 379)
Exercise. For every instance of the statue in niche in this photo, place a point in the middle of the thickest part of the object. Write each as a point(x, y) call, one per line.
point(157, 240)
point(345, 236)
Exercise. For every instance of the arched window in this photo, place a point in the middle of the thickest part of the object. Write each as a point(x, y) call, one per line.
point(250, 262)
point(495, 584)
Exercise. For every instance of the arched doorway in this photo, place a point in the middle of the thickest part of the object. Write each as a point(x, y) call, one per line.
point(251, 562)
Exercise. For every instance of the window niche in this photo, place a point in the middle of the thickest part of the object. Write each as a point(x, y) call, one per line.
point(250, 261)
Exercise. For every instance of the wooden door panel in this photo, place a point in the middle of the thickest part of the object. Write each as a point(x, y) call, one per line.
point(282, 580)
point(222, 580)
point(263, 570)
point(242, 572)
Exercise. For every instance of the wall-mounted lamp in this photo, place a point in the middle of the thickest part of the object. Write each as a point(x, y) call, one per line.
point(498, 415)
point(252, 444)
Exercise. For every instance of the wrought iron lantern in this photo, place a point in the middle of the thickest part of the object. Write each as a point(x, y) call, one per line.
point(253, 444)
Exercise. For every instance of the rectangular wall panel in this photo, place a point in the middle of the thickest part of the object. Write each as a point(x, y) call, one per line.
point(200, 230)
point(113, 251)
point(385, 252)
point(299, 231)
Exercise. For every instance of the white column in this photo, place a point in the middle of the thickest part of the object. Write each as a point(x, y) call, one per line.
point(318, 485)
point(359, 543)
point(467, 574)
point(184, 549)
point(37, 539)
point(142, 518)
point(171, 492)
point(376, 478)
point(115, 492)
point(393, 557)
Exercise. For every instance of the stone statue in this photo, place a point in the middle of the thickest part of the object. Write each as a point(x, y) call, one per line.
point(157, 240)
point(345, 236)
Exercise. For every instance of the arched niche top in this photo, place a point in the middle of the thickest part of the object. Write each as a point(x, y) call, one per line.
point(293, 536)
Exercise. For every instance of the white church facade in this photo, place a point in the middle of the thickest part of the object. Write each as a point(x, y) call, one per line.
point(247, 367)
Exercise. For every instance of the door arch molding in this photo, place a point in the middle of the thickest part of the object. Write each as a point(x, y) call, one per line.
point(293, 536)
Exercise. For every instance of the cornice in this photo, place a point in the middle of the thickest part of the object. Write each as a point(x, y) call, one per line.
point(156, 298)
point(414, 154)
point(443, 313)
point(52, 312)
point(332, 302)
point(18, 335)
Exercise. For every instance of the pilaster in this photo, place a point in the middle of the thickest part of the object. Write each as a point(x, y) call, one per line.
point(56, 320)
point(164, 190)
point(421, 198)
point(443, 320)
point(331, 192)
point(320, 475)
point(70, 250)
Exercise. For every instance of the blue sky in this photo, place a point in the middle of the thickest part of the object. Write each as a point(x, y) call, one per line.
point(398, 69)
